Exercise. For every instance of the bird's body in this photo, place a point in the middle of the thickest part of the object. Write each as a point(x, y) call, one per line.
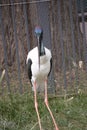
point(39, 64)
point(39, 74)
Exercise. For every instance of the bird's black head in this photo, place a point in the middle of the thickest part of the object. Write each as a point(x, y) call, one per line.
point(39, 33)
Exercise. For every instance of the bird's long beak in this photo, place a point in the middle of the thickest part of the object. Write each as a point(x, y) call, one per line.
point(39, 52)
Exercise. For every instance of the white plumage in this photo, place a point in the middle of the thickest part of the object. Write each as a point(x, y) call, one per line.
point(39, 74)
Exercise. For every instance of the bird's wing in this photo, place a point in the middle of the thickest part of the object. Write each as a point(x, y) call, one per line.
point(50, 66)
point(29, 68)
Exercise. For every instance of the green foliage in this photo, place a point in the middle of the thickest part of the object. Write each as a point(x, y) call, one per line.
point(17, 112)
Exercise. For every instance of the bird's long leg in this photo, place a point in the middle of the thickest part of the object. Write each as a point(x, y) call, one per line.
point(47, 105)
point(36, 105)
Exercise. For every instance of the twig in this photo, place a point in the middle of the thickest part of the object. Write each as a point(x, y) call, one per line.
point(2, 76)
point(37, 123)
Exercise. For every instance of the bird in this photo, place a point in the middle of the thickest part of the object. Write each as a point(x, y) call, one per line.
point(39, 65)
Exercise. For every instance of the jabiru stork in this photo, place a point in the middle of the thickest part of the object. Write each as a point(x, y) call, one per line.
point(39, 65)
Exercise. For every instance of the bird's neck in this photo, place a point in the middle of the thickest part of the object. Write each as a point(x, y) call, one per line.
point(41, 49)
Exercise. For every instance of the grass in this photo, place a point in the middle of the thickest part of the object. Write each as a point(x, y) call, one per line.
point(17, 112)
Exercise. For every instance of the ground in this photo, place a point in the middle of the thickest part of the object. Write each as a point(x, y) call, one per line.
point(17, 112)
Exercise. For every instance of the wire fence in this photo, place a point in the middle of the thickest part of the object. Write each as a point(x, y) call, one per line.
point(61, 22)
